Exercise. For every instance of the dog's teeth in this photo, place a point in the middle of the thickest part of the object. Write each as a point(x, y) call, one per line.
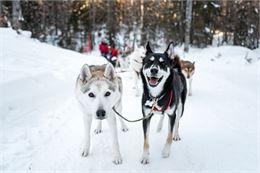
point(153, 81)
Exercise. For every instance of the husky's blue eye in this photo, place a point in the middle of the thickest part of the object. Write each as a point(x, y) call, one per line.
point(91, 95)
point(107, 94)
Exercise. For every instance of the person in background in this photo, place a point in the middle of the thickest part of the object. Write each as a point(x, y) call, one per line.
point(114, 54)
point(103, 48)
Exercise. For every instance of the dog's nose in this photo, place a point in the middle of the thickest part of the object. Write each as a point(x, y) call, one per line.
point(154, 71)
point(101, 114)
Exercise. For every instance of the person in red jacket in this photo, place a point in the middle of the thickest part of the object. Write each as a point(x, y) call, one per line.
point(103, 48)
point(113, 55)
point(114, 52)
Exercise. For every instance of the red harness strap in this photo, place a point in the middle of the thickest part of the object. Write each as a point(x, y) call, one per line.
point(168, 105)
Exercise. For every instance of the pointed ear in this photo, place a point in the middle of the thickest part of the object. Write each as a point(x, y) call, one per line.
point(148, 49)
point(85, 73)
point(193, 63)
point(169, 50)
point(110, 71)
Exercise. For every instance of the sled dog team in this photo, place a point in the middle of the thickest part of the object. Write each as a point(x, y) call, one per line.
point(99, 91)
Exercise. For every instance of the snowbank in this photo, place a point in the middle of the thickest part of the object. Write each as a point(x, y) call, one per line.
point(41, 126)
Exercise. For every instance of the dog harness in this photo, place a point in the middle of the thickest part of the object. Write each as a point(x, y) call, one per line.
point(154, 102)
point(162, 109)
point(154, 108)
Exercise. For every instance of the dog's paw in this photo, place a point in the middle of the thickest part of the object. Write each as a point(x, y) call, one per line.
point(84, 152)
point(117, 160)
point(124, 129)
point(145, 159)
point(166, 151)
point(176, 138)
point(97, 131)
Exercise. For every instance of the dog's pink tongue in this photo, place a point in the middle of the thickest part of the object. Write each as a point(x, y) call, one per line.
point(153, 81)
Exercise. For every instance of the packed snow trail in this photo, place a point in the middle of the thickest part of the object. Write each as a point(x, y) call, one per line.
point(42, 128)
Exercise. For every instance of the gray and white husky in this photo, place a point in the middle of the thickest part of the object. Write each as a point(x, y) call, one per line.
point(98, 90)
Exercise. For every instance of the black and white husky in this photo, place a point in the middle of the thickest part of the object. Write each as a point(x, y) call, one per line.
point(98, 90)
point(164, 91)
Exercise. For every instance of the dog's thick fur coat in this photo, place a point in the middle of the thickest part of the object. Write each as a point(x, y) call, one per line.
point(98, 90)
point(162, 80)
point(188, 69)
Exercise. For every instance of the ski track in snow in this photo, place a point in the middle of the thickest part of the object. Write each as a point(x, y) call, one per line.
point(42, 128)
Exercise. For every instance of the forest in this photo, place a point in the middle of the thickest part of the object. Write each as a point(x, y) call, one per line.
point(72, 23)
point(51, 48)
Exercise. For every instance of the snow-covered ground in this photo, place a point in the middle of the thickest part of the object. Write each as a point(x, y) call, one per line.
point(41, 125)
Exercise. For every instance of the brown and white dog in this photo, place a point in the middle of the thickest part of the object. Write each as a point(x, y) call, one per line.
point(188, 69)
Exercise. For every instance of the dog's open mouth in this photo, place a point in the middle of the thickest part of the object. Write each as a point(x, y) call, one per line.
point(154, 81)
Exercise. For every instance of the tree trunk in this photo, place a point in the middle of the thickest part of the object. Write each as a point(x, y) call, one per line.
point(1, 11)
point(16, 13)
point(181, 22)
point(258, 25)
point(93, 24)
point(188, 25)
point(109, 27)
point(142, 14)
point(108, 14)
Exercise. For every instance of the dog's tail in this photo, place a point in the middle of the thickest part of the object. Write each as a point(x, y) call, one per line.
point(176, 63)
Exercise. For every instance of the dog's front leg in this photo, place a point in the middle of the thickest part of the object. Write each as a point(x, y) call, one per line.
point(167, 147)
point(99, 127)
point(124, 128)
point(113, 128)
point(86, 141)
point(146, 127)
point(160, 124)
point(190, 86)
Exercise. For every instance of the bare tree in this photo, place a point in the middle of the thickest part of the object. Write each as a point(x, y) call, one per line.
point(142, 14)
point(188, 25)
point(16, 14)
point(0, 7)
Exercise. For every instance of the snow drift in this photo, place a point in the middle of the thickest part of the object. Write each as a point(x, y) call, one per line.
point(41, 125)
